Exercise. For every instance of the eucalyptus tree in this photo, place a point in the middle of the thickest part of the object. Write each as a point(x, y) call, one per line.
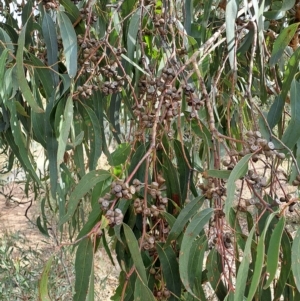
point(200, 100)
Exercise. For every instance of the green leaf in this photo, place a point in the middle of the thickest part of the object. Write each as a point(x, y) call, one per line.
point(83, 268)
point(43, 74)
point(273, 251)
point(126, 58)
point(69, 40)
point(87, 182)
point(142, 292)
point(214, 268)
point(24, 87)
point(94, 138)
point(230, 16)
point(239, 171)
point(242, 274)
point(186, 213)
point(50, 37)
point(292, 132)
point(43, 283)
point(276, 109)
point(41, 228)
point(65, 126)
point(185, 173)
point(259, 259)
point(19, 140)
point(3, 59)
point(196, 263)
point(172, 180)
point(220, 174)
point(282, 42)
point(170, 270)
point(71, 8)
point(132, 34)
point(194, 228)
point(139, 153)
point(6, 40)
point(120, 155)
point(296, 259)
point(135, 253)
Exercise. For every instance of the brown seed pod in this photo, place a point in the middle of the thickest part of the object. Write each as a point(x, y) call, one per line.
point(295, 183)
point(117, 188)
point(280, 156)
point(226, 162)
point(257, 134)
point(270, 146)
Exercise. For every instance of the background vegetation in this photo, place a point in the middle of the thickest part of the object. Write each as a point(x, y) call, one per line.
point(200, 99)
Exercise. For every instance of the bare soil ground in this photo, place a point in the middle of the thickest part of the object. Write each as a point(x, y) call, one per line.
point(18, 216)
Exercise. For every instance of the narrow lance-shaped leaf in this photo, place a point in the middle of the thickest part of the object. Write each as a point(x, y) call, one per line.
point(50, 36)
point(69, 40)
point(24, 87)
point(192, 231)
point(19, 140)
point(85, 184)
point(273, 251)
point(142, 292)
point(66, 121)
point(292, 132)
point(83, 268)
point(186, 213)
point(170, 270)
point(239, 171)
point(135, 253)
point(296, 259)
point(282, 42)
point(230, 16)
point(291, 69)
point(242, 274)
point(259, 259)
point(43, 283)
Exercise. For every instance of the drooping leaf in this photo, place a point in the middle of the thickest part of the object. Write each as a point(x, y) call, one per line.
point(85, 184)
point(24, 87)
point(66, 121)
point(230, 16)
point(292, 132)
point(296, 258)
point(69, 40)
point(94, 138)
point(170, 270)
point(242, 274)
point(192, 231)
point(120, 155)
point(142, 292)
point(239, 171)
point(19, 140)
point(259, 261)
point(83, 269)
point(172, 180)
point(276, 108)
point(282, 42)
point(213, 265)
point(43, 283)
point(273, 251)
point(50, 37)
point(186, 213)
point(135, 253)
point(196, 264)
point(6, 40)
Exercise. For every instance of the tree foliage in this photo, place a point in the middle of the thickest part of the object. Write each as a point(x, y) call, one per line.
point(201, 99)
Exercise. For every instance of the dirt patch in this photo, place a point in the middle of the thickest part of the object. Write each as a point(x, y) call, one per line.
point(17, 217)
